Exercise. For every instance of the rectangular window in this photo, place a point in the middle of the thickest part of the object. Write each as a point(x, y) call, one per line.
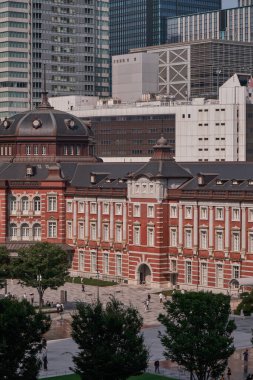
point(150, 211)
point(93, 208)
point(44, 150)
point(188, 212)
point(93, 262)
point(250, 214)
point(188, 238)
point(219, 240)
point(203, 213)
point(80, 230)
point(173, 237)
point(118, 265)
point(235, 271)
point(250, 243)
point(203, 239)
point(69, 206)
point(150, 236)
point(173, 266)
point(236, 214)
point(36, 150)
point(173, 211)
point(236, 241)
point(69, 229)
point(81, 261)
point(106, 208)
point(203, 274)
point(28, 150)
point(106, 263)
point(188, 272)
point(219, 213)
point(118, 234)
point(219, 276)
point(52, 229)
point(81, 207)
point(52, 203)
point(137, 237)
point(118, 209)
point(93, 231)
point(137, 210)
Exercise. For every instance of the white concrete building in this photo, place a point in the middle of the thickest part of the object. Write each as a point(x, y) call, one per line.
point(71, 102)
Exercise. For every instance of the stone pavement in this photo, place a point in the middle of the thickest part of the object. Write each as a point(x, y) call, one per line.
point(60, 351)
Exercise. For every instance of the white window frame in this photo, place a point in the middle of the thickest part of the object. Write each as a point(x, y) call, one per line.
point(236, 241)
point(69, 206)
point(219, 240)
point(118, 265)
point(236, 214)
point(81, 207)
point(235, 271)
point(150, 211)
point(203, 213)
point(37, 204)
point(93, 207)
point(137, 235)
point(52, 203)
point(106, 232)
point(219, 213)
point(188, 272)
point(36, 231)
point(13, 205)
point(173, 236)
point(250, 214)
point(250, 242)
point(80, 230)
point(173, 265)
point(93, 264)
point(13, 231)
point(203, 239)
point(188, 212)
point(24, 204)
point(106, 263)
point(52, 229)
point(118, 232)
point(188, 238)
point(106, 208)
point(93, 231)
point(136, 210)
point(150, 236)
point(24, 231)
point(204, 273)
point(118, 208)
point(173, 211)
point(219, 275)
point(81, 260)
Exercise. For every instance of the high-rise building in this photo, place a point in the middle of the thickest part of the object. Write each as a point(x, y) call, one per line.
point(71, 37)
point(142, 23)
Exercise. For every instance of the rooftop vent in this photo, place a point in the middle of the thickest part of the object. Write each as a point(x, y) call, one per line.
point(29, 171)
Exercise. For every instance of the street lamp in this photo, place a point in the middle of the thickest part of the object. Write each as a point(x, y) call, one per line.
point(39, 279)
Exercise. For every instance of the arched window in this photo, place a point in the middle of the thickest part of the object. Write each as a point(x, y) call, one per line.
point(36, 204)
point(24, 204)
point(13, 205)
point(25, 231)
point(13, 231)
point(37, 231)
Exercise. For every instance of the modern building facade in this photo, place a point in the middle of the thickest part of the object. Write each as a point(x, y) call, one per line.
point(233, 24)
point(70, 37)
point(142, 23)
point(160, 223)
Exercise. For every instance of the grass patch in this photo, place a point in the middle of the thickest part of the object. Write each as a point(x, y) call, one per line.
point(90, 281)
point(146, 376)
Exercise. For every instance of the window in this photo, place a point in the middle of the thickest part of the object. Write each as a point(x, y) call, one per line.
point(106, 263)
point(188, 238)
point(37, 231)
point(52, 203)
point(150, 211)
point(93, 208)
point(173, 211)
point(250, 242)
point(28, 150)
point(106, 208)
point(236, 241)
point(69, 206)
point(203, 239)
point(188, 272)
point(36, 204)
point(219, 240)
point(94, 262)
point(173, 237)
point(173, 266)
point(81, 230)
point(250, 214)
point(93, 231)
point(235, 271)
point(36, 150)
point(52, 229)
point(25, 231)
point(81, 261)
point(137, 237)
point(118, 234)
point(13, 205)
point(137, 210)
point(203, 213)
point(44, 150)
point(219, 275)
point(13, 231)
point(24, 205)
point(118, 265)
point(118, 208)
point(81, 207)
point(150, 236)
point(106, 232)
point(219, 213)
point(203, 274)
point(236, 214)
point(188, 212)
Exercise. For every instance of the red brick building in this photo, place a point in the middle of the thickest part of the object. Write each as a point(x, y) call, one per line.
point(160, 223)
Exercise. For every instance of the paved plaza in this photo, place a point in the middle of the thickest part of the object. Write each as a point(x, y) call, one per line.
point(60, 351)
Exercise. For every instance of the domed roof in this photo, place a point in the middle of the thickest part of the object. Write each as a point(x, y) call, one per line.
point(44, 121)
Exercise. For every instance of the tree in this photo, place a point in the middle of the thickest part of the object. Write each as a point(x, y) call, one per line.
point(198, 333)
point(4, 266)
point(42, 266)
point(111, 345)
point(21, 330)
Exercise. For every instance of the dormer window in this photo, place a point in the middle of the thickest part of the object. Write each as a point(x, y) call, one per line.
point(235, 182)
point(250, 182)
point(219, 182)
point(71, 123)
point(37, 123)
point(6, 123)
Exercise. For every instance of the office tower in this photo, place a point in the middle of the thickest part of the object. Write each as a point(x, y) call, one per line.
point(71, 37)
point(142, 23)
point(243, 3)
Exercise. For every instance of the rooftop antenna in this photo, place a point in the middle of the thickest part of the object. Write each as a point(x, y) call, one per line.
point(44, 99)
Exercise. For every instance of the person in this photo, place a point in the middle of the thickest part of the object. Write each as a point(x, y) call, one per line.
point(44, 343)
point(32, 298)
point(61, 308)
point(58, 307)
point(157, 364)
point(45, 361)
point(161, 297)
point(149, 297)
point(147, 304)
point(83, 288)
point(222, 377)
point(24, 296)
point(246, 356)
point(229, 373)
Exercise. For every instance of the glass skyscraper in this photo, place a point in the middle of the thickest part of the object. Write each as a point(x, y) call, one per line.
point(71, 37)
point(140, 23)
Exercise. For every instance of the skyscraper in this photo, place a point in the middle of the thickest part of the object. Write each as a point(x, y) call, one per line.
point(70, 36)
point(142, 23)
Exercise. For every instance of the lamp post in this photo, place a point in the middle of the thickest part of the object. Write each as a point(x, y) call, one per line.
point(39, 279)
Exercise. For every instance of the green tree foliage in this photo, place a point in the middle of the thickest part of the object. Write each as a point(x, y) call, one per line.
point(111, 345)
point(42, 266)
point(21, 330)
point(246, 305)
point(4, 266)
point(198, 333)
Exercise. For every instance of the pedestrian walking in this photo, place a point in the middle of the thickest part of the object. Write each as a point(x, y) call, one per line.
point(83, 288)
point(245, 360)
point(161, 297)
point(147, 304)
point(45, 362)
point(229, 373)
point(149, 297)
point(157, 365)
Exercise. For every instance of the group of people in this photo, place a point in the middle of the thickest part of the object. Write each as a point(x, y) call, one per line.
point(59, 307)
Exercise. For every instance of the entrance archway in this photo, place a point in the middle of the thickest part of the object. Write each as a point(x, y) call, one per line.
point(144, 274)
